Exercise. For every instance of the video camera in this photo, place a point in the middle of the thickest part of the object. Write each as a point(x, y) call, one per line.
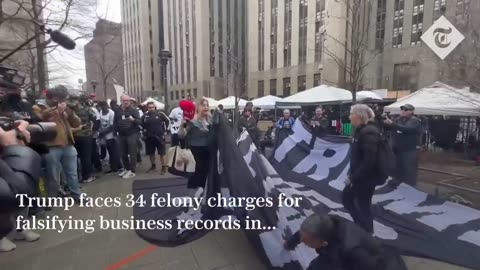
point(11, 79)
point(40, 132)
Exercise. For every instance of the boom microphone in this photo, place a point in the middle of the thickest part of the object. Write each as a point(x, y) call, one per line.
point(62, 40)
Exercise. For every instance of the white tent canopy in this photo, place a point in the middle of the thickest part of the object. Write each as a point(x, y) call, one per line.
point(363, 95)
point(266, 102)
point(440, 99)
point(318, 95)
point(158, 104)
point(212, 103)
point(229, 103)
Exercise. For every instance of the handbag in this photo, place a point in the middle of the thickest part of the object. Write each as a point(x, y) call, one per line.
point(180, 161)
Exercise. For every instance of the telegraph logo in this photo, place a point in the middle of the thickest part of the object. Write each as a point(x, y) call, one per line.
point(442, 37)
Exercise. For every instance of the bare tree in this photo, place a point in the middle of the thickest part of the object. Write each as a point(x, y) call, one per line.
point(62, 15)
point(355, 56)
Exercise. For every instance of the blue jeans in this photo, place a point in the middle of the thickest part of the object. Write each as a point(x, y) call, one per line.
point(62, 158)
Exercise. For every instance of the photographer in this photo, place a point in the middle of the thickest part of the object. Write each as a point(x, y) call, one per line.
point(62, 154)
point(19, 172)
point(408, 129)
point(319, 122)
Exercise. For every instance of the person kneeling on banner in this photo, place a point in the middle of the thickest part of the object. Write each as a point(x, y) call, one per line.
point(364, 174)
point(198, 132)
point(19, 173)
point(342, 245)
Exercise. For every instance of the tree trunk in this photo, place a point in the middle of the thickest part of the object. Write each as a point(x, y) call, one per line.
point(41, 65)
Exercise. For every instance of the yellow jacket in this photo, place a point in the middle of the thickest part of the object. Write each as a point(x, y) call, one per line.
point(64, 122)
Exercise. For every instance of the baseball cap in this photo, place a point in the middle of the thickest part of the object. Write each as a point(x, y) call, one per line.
point(407, 107)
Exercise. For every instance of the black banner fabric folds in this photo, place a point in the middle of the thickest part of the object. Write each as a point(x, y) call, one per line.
point(314, 170)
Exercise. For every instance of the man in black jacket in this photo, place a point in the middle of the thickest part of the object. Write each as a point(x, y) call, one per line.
point(126, 124)
point(19, 173)
point(364, 173)
point(408, 129)
point(155, 123)
point(342, 245)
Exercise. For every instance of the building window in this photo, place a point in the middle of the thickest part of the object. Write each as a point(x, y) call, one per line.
point(319, 22)
point(317, 79)
point(439, 8)
point(417, 23)
point(273, 34)
point(189, 93)
point(286, 87)
point(302, 83)
point(380, 31)
point(194, 93)
point(261, 35)
point(171, 95)
point(287, 50)
point(462, 14)
point(177, 95)
point(398, 24)
point(273, 87)
point(303, 22)
point(261, 89)
point(405, 77)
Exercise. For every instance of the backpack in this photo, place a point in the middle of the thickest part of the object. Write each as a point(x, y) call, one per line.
point(385, 160)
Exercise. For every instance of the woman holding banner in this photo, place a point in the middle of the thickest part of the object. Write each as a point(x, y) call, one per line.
point(198, 133)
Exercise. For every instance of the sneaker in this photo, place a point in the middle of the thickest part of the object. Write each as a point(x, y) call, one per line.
point(27, 235)
point(122, 173)
point(90, 179)
point(6, 245)
point(164, 170)
point(129, 175)
point(111, 172)
point(152, 169)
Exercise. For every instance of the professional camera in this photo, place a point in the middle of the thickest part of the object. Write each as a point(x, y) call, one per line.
point(11, 78)
point(11, 81)
point(40, 132)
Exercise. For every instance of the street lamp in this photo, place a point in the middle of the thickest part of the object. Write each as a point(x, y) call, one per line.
point(164, 56)
point(94, 84)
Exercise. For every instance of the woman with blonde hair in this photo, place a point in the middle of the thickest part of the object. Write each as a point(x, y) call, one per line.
point(198, 134)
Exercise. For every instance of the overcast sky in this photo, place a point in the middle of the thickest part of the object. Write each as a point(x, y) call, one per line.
point(67, 67)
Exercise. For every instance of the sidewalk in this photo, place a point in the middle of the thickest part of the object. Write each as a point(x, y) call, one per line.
point(72, 250)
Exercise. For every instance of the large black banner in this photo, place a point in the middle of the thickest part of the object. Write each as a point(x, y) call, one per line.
point(314, 169)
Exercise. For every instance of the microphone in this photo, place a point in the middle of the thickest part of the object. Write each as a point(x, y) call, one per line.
point(62, 40)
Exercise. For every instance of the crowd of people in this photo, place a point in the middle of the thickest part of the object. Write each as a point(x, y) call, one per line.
point(86, 132)
point(89, 130)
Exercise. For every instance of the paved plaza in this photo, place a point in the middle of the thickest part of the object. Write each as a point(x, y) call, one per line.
point(111, 250)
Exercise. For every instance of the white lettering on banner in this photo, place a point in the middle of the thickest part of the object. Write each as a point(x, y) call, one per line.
point(272, 241)
point(471, 237)
point(291, 141)
point(248, 161)
point(406, 200)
